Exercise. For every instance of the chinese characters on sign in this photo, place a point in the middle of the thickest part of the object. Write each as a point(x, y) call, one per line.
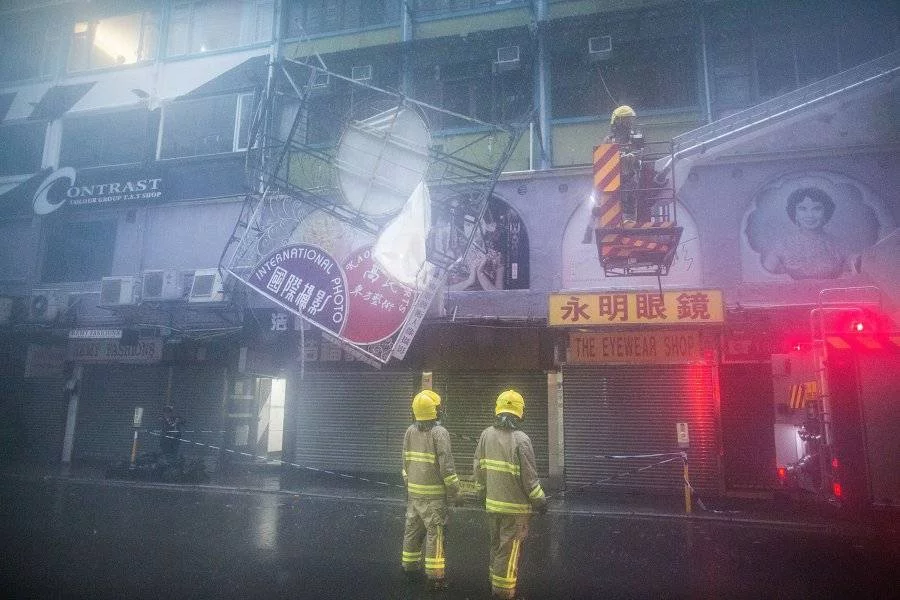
point(624, 308)
point(378, 303)
point(353, 298)
point(307, 280)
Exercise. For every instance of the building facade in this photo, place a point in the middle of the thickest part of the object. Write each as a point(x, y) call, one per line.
point(124, 174)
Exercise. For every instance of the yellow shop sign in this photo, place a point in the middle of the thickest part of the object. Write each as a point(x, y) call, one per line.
point(683, 307)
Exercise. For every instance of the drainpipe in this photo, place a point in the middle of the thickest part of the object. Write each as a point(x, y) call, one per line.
point(704, 58)
point(542, 85)
point(406, 36)
point(267, 123)
point(72, 387)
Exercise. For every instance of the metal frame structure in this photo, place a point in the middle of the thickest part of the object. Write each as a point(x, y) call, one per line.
point(291, 178)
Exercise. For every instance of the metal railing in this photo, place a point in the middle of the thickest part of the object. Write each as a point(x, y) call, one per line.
point(703, 138)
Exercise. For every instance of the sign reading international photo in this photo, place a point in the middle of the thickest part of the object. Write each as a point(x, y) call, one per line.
point(308, 281)
point(685, 307)
point(354, 299)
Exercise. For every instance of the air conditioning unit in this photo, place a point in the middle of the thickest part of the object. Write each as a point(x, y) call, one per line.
point(46, 305)
point(160, 284)
point(600, 47)
point(361, 73)
point(118, 291)
point(206, 286)
point(507, 58)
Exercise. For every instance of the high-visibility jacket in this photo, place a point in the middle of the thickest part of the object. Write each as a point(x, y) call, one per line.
point(504, 464)
point(428, 469)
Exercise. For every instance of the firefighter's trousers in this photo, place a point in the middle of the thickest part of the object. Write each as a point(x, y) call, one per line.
point(508, 533)
point(425, 523)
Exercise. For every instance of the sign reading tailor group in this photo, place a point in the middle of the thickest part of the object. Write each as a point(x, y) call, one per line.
point(97, 187)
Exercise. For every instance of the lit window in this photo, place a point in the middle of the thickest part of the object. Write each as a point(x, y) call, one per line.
point(205, 126)
point(113, 41)
point(196, 27)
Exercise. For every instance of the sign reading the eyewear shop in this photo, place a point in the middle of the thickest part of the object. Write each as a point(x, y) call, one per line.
point(95, 187)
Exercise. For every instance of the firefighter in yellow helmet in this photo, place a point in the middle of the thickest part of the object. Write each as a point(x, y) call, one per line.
point(505, 466)
point(431, 479)
point(631, 142)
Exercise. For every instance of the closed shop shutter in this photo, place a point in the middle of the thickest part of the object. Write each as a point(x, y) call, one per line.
point(353, 421)
point(469, 399)
point(109, 394)
point(34, 419)
point(631, 409)
point(197, 395)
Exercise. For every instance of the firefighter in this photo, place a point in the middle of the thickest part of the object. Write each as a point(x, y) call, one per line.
point(504, 465)
point(431, 479)
point(622, 132)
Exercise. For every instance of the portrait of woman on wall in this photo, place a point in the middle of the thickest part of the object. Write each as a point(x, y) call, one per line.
point(811, 226)
point(809, 252)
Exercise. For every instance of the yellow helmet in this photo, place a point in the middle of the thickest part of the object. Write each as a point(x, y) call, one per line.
point(622, 111)
point(424, 405)
point(511, 402)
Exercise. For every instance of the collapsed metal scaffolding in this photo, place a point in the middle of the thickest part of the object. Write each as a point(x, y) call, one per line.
point(392, 152)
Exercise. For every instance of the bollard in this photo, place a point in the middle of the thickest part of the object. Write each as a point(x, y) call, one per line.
point(687, 490)
point(134, 448)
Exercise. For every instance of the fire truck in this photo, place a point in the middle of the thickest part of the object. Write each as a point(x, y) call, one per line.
point(837, 395)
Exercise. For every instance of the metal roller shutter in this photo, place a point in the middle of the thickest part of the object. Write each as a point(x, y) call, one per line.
point(629, 409)
point(34, 419)
point(353, 421)
point(109, 395)
point(197, 395)
point(469, 398)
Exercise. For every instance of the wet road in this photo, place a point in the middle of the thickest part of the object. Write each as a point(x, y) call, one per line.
point(69, 539)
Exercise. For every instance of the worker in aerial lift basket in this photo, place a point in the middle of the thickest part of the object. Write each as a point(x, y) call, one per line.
point(505, 466)
point(431, 480)
point(631, 142)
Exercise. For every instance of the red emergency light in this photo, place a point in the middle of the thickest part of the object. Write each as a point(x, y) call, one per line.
point(836, 489)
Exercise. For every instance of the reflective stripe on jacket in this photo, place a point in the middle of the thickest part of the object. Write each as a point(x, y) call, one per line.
point(428, 468)
point(504, 464)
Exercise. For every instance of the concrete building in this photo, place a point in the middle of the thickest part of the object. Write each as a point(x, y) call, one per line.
point(127, 170)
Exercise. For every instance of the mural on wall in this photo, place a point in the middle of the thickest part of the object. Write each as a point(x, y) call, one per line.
point(810, 226)
point(581, 269)
point(498, 257)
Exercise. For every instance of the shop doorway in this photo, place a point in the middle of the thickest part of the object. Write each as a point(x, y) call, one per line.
point(271, 418)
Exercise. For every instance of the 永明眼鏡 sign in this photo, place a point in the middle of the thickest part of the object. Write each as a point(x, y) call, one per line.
point(684, 307)
point(660, 347)
point(95, 187)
